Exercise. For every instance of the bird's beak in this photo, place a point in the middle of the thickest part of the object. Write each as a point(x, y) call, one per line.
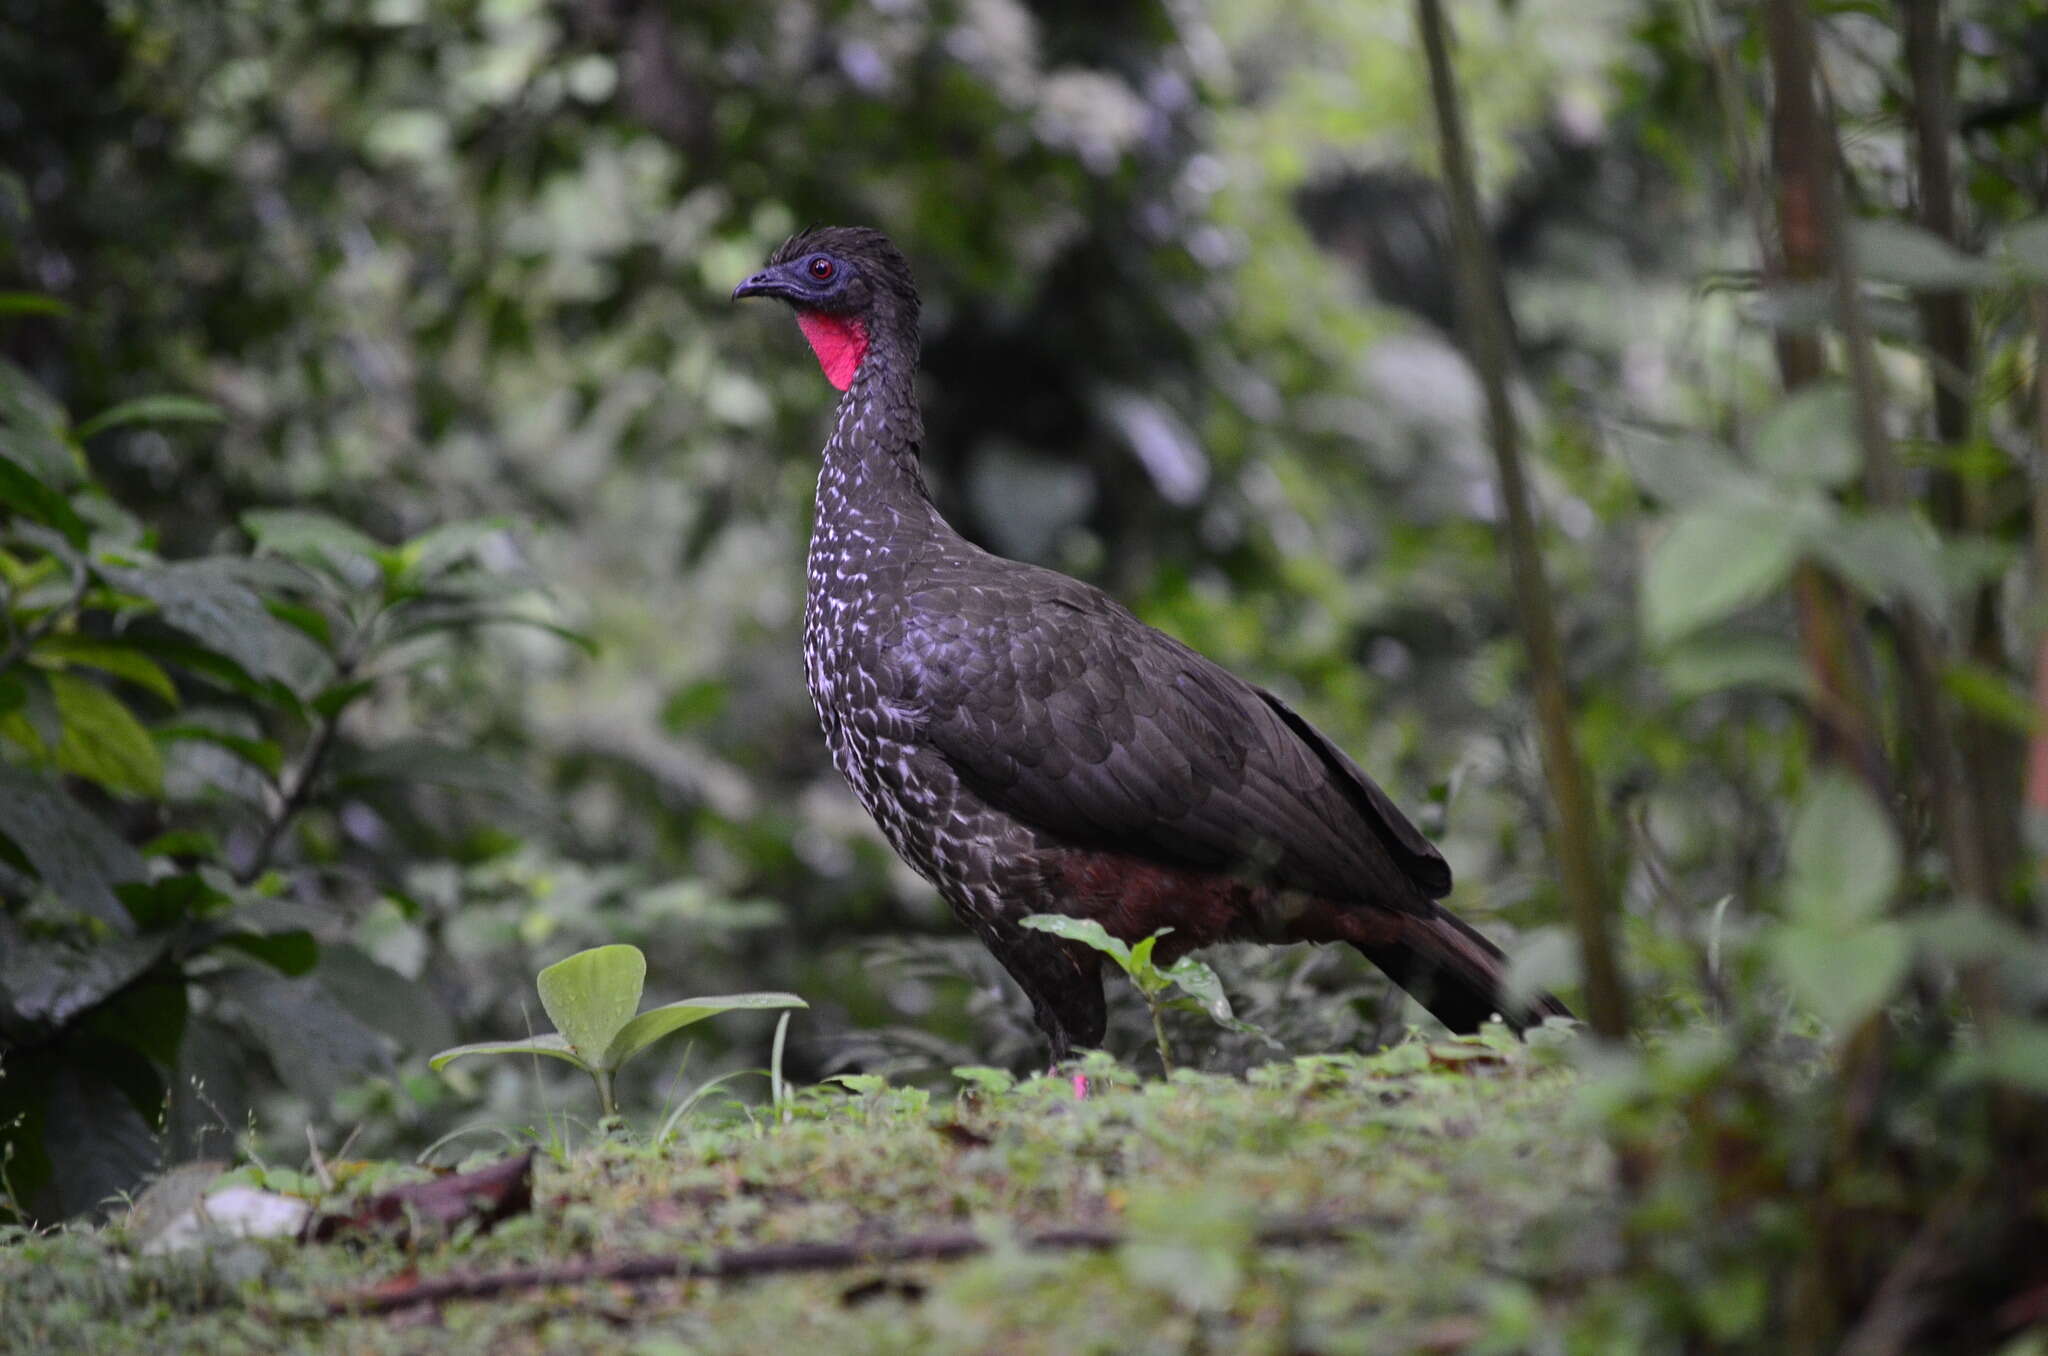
point(762, 284)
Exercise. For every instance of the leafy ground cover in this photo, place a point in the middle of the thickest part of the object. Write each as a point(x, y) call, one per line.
point(1444, 1196)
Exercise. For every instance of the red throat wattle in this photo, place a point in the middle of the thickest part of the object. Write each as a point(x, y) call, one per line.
point(839, 341)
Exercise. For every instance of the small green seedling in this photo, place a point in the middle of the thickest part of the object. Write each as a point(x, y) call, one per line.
point(591, 997)
point(1204, 992)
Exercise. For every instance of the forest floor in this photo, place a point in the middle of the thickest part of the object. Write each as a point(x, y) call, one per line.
point(1439, 1196)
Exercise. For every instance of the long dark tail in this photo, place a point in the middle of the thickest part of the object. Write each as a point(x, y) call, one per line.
point(1456, 973)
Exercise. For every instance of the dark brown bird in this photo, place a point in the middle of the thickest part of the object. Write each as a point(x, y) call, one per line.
point(1029, 746)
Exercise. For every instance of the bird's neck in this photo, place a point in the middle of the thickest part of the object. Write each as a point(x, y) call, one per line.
point(871, 461)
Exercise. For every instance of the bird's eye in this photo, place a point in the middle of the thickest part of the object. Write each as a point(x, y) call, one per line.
point(822, 269)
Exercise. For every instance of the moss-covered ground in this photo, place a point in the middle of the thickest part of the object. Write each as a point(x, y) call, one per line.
point(1469, 1199)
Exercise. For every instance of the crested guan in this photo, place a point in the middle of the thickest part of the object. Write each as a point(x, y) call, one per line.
point(1029, 746)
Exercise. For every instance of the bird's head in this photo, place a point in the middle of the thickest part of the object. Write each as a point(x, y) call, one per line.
point(848, 286)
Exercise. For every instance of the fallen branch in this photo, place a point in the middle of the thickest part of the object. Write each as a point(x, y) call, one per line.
point(775, 1259)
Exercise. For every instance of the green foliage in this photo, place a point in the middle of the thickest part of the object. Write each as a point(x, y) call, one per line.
point(592, 998)
point(140, 691)
point(1202, 989)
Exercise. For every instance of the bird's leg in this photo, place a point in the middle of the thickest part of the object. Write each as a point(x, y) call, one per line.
point(1063, 980)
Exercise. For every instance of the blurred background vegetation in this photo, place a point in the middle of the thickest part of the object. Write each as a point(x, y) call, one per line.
point(402, 535)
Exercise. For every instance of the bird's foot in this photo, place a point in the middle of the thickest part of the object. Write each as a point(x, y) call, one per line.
point(1079, 1082)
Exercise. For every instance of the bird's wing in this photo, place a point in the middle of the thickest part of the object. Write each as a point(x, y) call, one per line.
point(1056, 705)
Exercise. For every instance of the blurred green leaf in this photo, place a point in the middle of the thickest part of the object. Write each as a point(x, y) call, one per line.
point(1681, 472)
point(317, 1047)
point(446, 546)
point(1990, 693)
point(985, 1079)
point(292, 952)
point(23, 492)
point(1841, 977)
point(2016, 1054)
point(80, 859)
point(1712, 561)
point(261, 753)
point(47, 983)
point(153, 409)
point(32, 431)
point(304, 534)
point(1810, 437)
point(102, 740)
point(31, 303)
point(1844, 856)
point(1893, 555)
point(1715, 663)
point(210, 601)
point(112, 657)
point(1890, 250)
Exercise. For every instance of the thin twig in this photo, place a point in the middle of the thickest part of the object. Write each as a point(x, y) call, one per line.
point(1302, 1231)
point(1483, 314)
point(301, 792)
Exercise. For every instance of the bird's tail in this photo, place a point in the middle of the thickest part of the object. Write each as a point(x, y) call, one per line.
point(1456, 973)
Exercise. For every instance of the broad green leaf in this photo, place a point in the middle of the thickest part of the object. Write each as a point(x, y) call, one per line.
point(1141, 953)
point(80, 859)
point(651, 1025)
point(1203, 986)
point(122, 661)
point(1841, 978)
point(553, 1045)
point(406, 1010)
point(102, 740)
point(47, 983)
point(25, 493)
point(1714, 560)
point(1844, 856)
point(212, 601)
point(591, 995)
point(317, 1046)
point(1894, 251)
point(1084, 930)
point(152, 409)
point(1892, 555)
point(1684, 472)
point(1810, 437)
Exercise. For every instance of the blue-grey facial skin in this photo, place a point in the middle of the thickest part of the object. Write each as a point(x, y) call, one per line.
point(818, 282)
